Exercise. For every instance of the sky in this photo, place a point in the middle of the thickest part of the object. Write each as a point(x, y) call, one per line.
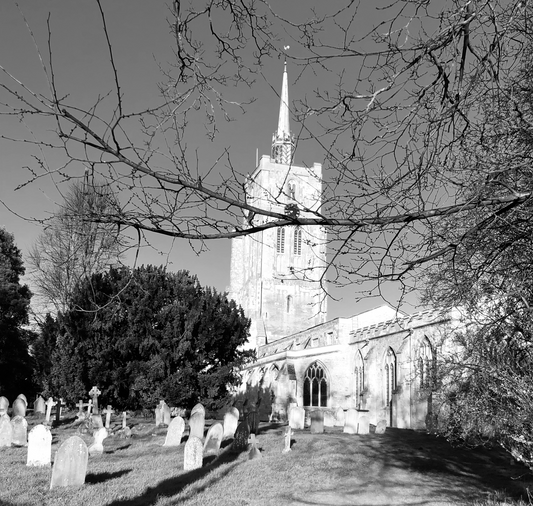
point(142, 44)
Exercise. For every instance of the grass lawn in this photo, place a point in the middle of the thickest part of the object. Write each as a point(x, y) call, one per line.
point(399, 467)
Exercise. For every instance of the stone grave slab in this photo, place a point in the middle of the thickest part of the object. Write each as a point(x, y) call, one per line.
point(39, 406)
point(381, 427)
point(175, 432)
point(240, 441)
point(197, 425)
point(213, 439)
point(317, 421)
point(350, 421)
point(97, 448)
point(193, 454)
point(297, 418)
point(39, 446)
point(231, 420)
point(4, 404)
point(198, 408)
point(6, 431)
point(364, 425)
point(70, 464)
point(329, 419)
point(20, 431)
point(19, 407)
point(339, 417)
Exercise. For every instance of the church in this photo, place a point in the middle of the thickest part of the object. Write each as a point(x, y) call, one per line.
point(380, 362)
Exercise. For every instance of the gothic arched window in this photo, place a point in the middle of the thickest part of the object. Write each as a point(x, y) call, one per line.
point(280, 241)
point(425, 364)
point(297, 249)
point(359, 374)
point(390, 375)
point(315, 386)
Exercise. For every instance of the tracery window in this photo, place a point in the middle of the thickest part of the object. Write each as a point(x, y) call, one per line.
point(359, 374)
point(297, 250)
point(280, 241)
point(390, 375)
point(315, 386)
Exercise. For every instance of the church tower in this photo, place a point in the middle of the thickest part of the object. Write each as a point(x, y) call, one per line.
point(276, 274)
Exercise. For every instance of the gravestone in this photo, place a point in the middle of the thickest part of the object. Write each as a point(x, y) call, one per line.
point(175, 432)
point(254, 451)
point(198, 408)
point(364, 425)
point(231, 420)
point(317, 421)
point(287, 438)
point(20, 431)
point(23, 397)
point(39, 406)
point(59, 408)
point(39, 446)
point(339, 417)
point(351, 418)
point(329, 419)
point(96, 421)
point(107, 412)
point(124, 419)
point(70, 464)
point(97, 448)
point(4, 405)
point(297, 418)
point(213, 439)
point(193, 454)
point(94, 393)
point(165, 414)
point(6, 431)
point(240, 441)
point(381, 427)
point(197, 425)
point(19, 407)
point(162, 414)
point(49, 404)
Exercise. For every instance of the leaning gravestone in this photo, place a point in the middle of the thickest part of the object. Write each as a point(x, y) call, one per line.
point(339, 417)
point(70, 464)
point(6, 431)
point(350, 421)
point(175, 432)
point(20, 431)
point(381, 427)
point(197, 425)
point(39, 406)
point(297, 418)
point(4, 404)
point(193, 454)
point(231, 420)
point(240, 441)
point(317, 421)
point(19, 407)
point(97, 448)
point(213, 439)
point(198, 408)
point(49, 404)
point(364, 425)
point(39, 446)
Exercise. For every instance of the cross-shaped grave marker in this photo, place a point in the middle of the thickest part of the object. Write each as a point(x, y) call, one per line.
point(59, 407)
point(108, 412)
point(94, 393)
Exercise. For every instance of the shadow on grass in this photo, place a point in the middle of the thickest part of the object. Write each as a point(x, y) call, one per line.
point(175, 485)
point(101, 477)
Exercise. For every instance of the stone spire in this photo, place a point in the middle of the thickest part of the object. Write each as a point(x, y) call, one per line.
point(282, 140)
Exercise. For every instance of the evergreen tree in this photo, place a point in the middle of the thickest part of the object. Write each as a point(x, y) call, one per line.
point(16, 364)
point(146, 335)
